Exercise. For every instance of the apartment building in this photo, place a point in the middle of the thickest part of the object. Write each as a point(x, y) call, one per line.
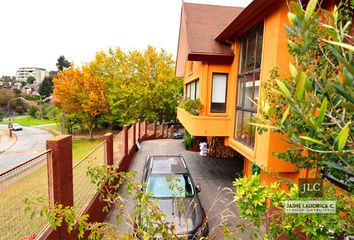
point(38, 73)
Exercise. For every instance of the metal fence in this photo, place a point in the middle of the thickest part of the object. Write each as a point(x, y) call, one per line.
point(27, 180)
point(150, 129)
point(142, 128)
point(83, 188)
point(158, 130)
point(118, 147)
point(166, 132)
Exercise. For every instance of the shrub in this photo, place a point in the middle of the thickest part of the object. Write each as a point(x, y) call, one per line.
point(191, 106)
point(189, 140)
point(32, 111)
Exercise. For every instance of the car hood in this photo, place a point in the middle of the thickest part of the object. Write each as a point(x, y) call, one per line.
point(185, 213)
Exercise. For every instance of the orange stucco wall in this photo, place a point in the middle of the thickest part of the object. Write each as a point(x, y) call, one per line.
point(203, 71)
point(274, 54)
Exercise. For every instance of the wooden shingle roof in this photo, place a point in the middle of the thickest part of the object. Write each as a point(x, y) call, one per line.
point(199, 27)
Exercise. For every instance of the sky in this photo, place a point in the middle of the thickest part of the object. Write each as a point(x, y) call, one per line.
point(35, 33)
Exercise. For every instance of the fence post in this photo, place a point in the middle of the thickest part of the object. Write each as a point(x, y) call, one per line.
point(125, 132)
point(162, 130)
point(154, 129)
point(134, 134)
point(139, 129)
point(60, 175)
point(172, 129)
point(108, 151)
point(145, 128)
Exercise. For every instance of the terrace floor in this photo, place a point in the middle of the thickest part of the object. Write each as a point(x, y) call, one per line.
point(211, 174)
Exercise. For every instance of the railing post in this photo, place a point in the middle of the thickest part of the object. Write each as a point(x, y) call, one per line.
point(60, 175)
point(162, 130)
point(145, 128)
point(172, 129)
point(139, 129)
point(154, 129)
point(134, 134)
point(125, 132)
point(108, 153)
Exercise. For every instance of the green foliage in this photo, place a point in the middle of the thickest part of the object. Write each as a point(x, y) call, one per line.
point(260, 205)
point(62, 63)
point(16, 91)
point(32, 111)
point(2, 113)
point(313, 107)
point(188, 140)
point(191, 106)
point(46, 87)
point(140, 84)
point(31, 80)
point(346, 9)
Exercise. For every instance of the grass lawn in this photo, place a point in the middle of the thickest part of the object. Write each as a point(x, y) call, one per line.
point(82, 147)
point(14, 223)
point(53, 129)
point(29, 121)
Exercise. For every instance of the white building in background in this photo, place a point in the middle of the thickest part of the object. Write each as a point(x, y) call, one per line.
point(23, 73)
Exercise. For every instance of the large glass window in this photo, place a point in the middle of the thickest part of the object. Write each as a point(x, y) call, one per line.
point(248, 84)
point(218, 95)
point(192, 90)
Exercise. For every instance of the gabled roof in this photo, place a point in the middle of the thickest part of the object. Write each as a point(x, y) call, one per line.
point(200, 25)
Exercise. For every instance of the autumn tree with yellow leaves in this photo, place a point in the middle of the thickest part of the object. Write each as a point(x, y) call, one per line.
point(78, 91)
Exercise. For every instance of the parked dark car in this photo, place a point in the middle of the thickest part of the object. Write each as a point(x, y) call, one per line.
point(165, 177)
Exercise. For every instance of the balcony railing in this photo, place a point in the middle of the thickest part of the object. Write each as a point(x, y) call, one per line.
point(204, 125)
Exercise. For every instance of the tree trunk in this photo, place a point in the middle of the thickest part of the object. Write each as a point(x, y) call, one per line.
point(90, 132)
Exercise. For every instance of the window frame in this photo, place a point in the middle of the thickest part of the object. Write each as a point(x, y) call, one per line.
point(212, 87)
point(242, 78)
point(195, 82)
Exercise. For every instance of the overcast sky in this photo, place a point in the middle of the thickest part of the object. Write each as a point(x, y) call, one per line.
point(35, 33)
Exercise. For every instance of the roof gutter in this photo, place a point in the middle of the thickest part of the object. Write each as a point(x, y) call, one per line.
point(253, 13)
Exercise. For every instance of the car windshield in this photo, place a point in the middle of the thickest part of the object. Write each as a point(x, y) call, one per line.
point(162, 186)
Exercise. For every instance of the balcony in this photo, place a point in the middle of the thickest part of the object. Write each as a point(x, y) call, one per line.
point(204, 125)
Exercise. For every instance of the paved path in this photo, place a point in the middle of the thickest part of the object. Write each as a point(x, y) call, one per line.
point(211, 174)
point(29, 143)
point(5, 141)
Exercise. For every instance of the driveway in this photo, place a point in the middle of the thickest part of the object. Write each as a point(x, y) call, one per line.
point(211, 174)
point(29, 143)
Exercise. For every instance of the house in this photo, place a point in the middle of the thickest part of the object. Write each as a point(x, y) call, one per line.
point(224, 63)
point(27, 89)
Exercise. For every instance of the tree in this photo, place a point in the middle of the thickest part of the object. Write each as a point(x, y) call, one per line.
point(5, 96)
point(16, 91)
point(314, 106)
point(78, 91)
point(140, 84)
point(31, 80)
point(2, 113)
point(62, 63)
point(46, 87)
